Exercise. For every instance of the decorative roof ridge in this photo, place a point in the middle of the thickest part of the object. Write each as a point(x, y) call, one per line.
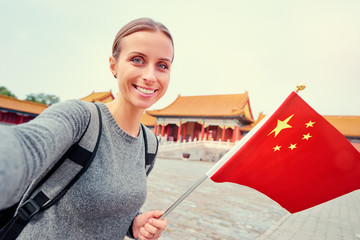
point(241, 105)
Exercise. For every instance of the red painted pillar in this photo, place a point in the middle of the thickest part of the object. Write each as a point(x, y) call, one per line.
point(202, 131)
point(155, 129)
point(179, 133)
point(223, 134)
point(207, 132)
point(163, 130)
point(233, 134)
point(236, 134)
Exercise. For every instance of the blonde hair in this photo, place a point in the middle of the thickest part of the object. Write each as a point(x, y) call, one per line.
point(140, 24)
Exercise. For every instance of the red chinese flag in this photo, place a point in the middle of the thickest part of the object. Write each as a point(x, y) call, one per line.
point(296, 158)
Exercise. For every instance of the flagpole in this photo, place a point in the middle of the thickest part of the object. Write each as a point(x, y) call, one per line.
point(187, 193)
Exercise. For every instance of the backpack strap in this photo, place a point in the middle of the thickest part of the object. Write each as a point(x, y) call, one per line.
point(60, 178)
point(151, 148)
point(151, 143)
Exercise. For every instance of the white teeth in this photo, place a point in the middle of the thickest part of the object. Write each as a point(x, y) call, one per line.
point(146, 91)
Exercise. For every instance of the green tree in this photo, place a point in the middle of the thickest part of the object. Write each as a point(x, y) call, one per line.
point(6, 92)
point(43, 98)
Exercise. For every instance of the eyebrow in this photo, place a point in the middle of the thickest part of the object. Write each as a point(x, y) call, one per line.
point(163, 59)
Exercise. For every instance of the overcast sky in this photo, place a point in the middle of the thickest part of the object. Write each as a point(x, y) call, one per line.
point(221, 47)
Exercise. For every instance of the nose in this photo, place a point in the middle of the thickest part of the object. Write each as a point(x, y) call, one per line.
point(149, 74)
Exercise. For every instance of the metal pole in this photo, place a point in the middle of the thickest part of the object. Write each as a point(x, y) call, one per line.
point(190, 190)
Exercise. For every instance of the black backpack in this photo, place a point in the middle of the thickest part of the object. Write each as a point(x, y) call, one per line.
point(55, 184)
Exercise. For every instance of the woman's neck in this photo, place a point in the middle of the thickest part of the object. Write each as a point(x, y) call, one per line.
point(126, 116)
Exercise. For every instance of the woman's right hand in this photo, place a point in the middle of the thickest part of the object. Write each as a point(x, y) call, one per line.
point(148, 226)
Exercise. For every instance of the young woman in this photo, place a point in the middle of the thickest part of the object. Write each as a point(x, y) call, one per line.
point(105, 202)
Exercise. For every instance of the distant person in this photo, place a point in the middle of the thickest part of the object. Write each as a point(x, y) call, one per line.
point(105, 202)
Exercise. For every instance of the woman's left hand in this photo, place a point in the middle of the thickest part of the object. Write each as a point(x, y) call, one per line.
point(147, 226)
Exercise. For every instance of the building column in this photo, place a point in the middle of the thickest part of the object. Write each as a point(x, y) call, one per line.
point(155, 129)
point(207, 133)
point(202, 131)
point(179, 133)
point(223, 134)
point(235, 134)
point(163, 130)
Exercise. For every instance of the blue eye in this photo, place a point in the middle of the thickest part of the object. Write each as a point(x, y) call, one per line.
point(137, 60)
point(163, 66)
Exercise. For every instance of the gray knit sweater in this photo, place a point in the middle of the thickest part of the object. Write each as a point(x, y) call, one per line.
point(103, 202)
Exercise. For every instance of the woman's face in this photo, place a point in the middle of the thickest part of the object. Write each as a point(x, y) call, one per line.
point(143, 68)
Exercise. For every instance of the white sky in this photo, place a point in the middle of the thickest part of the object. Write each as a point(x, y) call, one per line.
point(221, 47)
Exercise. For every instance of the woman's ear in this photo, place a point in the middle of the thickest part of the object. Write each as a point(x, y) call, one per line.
point(112, 65)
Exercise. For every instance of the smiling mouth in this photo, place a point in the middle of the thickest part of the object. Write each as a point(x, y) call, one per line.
point(144, 90)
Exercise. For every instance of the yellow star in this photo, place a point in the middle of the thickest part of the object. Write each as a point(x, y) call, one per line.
point(309, 124)
point(281, 125)
point(277, 148)
point(307, 136)
point(292, 146)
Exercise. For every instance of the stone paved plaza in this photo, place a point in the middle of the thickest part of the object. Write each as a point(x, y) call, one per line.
point(230, 211)
point(337, 219)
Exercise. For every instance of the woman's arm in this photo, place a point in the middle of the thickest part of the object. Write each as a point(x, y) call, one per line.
point(27, 150)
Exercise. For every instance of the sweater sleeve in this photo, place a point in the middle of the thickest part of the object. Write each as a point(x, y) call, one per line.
point(130, 233)
point(28, 149)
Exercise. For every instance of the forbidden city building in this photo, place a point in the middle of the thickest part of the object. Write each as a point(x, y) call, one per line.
point(211, 117)
point(15, 111)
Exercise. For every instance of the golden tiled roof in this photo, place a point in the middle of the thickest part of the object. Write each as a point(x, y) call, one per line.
point(347, 125)
point(99, 97)
point(21, 105)
point(148, 120)
point(208, 106)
